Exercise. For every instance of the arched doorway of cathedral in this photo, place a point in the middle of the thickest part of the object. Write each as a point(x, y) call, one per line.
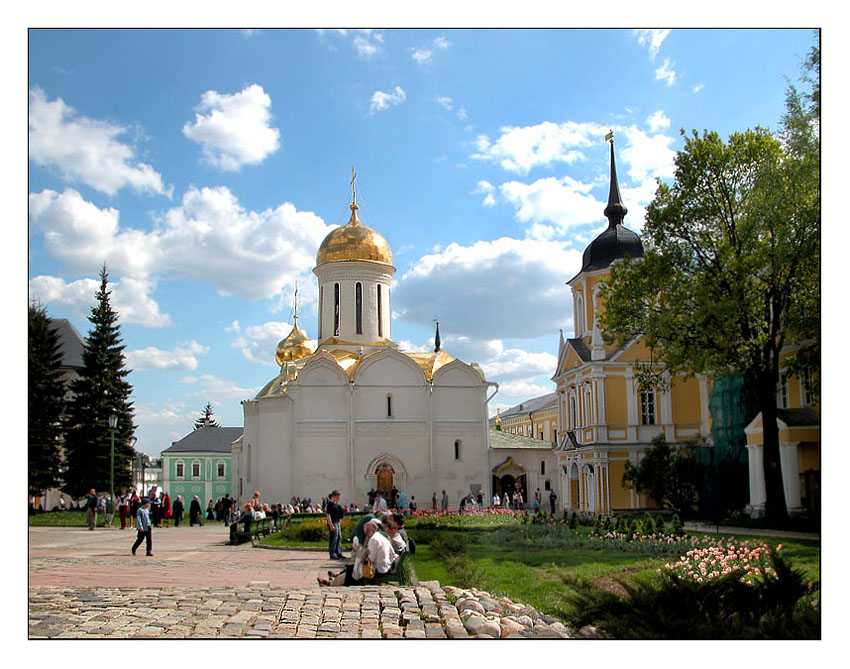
point(385, 472)
point(590, 488)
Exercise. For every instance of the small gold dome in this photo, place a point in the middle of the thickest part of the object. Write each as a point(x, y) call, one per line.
point(354, 241)
point(294, 346)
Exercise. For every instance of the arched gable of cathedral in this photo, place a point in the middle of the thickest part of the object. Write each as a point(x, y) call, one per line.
point(322, 370)
point(457, 373)
point(388, 367)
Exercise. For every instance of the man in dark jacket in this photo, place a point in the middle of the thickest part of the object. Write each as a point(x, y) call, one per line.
point(195, 512)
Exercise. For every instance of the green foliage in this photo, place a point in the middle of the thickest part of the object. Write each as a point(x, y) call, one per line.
point(674, 607)
point(649, 524)
point(45, 402)
point(573, 521)
point(206, 418)
point(670, 478)
point(101, 390)
point(677, 528)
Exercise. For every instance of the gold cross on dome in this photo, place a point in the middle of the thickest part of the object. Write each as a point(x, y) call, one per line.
point(610, 136)
point(353, 179)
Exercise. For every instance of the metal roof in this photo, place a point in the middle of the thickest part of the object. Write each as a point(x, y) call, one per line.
point(206, 440)
point(534, 404)
point(501, 439)
point(71, 343)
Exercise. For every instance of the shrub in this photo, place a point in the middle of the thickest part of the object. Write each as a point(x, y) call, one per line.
point(648, 524)
point(573, 521)
point(673, 605)
point(676, 525)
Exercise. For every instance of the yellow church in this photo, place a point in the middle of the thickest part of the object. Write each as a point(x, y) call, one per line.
point(606, 419)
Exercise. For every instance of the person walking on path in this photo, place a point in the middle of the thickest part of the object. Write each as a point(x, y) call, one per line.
point(444, 503)
point(91, 508)
point(552, 498)
point(195, 512)
point(144, 529)
point(135, 503)
point(166, 508)
point(123, 507)
point(177, 510)
point(334, 515)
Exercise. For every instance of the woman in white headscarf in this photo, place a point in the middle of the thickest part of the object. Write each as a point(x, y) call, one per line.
point(195, 512)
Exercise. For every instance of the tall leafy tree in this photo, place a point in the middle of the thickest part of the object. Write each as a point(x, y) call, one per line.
point(206, 419)
point(101, 390)
point(730, 276)
point(46, 401)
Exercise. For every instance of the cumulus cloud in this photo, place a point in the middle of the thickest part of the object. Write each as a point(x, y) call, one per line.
point(258, 342)
point(519, 149)
point(381, 100)
point(506, 288)
point(233, 130)
point(86, 150)
point(666, 73)
point(368, 43)
point(130, 298)
point(487, 189)
point(424, 54)
point(216, 390)
point(652, 40)
point(552, 206)
point(180, 357)
point(208, 237)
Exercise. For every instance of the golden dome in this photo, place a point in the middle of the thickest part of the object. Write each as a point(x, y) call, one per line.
point(294, 346)
point(354, 241)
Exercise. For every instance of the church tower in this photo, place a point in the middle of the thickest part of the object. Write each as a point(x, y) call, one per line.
point(616, 242)
point(354, 268)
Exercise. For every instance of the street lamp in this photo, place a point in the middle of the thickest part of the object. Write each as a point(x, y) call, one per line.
point(113, 423)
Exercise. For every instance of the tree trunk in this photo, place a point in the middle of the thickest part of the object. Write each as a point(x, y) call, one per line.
point(775, 510)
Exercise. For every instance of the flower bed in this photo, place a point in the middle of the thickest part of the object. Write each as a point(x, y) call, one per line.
point(750, 560)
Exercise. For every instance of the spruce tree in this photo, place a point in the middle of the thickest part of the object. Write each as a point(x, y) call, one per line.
point(206, 419)
point(101, 390)
point(46, 400)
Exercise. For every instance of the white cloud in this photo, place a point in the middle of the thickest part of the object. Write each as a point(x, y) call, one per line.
point(652, 39)
point(524, 390)
point(445, 102)
point(521, 149)
point(423, 55)
point(658, 121)
point(665, 73)
point(565, 203)
point(698, 87)
point(86, 150)
point(250, 32)
point(216, 390)
point(647, 157)
point(381, 100)
point(208, 237)
point(258, 342)
point(506, 288)
point(180, 357)
point(130, 298)
point(487, 189)
point(233, 130)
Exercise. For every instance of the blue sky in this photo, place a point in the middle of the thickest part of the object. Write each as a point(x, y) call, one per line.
point(206, 166)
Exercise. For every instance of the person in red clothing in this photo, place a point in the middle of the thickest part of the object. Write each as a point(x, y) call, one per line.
point(166, 509)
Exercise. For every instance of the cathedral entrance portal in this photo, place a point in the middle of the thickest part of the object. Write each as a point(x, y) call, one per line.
point(384, 475)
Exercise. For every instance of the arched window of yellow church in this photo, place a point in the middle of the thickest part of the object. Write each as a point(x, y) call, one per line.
point(359, 304)
point(647, 406)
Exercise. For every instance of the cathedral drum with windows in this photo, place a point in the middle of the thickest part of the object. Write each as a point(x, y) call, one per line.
point(605, 418)
point(356, 413)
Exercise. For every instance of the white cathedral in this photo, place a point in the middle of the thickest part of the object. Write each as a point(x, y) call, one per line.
point(357, 413)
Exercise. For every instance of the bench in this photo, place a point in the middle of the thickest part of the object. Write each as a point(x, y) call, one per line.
point(259, 529)
point(401, 573)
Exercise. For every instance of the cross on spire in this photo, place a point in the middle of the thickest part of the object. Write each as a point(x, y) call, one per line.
point(353, 188)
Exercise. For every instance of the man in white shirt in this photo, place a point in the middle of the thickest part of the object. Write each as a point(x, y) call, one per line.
point(377, 550)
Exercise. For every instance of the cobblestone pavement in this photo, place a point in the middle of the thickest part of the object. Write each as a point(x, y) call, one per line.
point(86, 584)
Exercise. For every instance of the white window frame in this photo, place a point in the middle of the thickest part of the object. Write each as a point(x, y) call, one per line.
point(180, 470)
point(648, 407)
point(198, 475)
point(221, 464)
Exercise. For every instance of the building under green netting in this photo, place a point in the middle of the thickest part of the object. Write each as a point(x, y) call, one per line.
point(726, 486)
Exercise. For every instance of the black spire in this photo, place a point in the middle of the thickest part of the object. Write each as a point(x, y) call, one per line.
point(437, 337)
point(615, 212)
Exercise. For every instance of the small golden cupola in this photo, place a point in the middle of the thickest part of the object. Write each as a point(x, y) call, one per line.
point(294, 346)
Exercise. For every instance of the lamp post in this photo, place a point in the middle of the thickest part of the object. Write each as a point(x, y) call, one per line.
point(113, 423)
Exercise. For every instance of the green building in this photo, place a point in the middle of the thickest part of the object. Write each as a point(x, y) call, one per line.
point(199, 464)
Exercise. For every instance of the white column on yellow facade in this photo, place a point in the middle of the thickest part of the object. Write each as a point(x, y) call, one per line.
point(599, 389)
point(666, 409)
point(789, 461)
point(597, 346)
point(631, 406)
point(758, 496)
